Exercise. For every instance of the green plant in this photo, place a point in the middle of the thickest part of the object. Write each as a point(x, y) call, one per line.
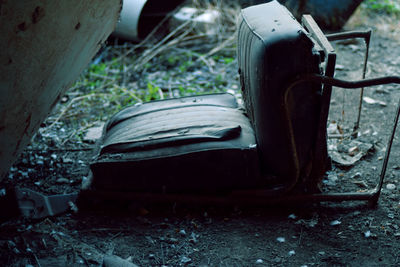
point(386, 6)
point(152, 92)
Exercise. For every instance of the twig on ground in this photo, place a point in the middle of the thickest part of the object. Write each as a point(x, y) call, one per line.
point(76, 99)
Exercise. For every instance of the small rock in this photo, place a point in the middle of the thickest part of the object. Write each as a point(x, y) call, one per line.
point(340, 67)
point(259, 261)
point(292, 216)
point(94, 133)
point(182, 232)
point(333, 128)
point(193, 238)
point(62, 181)
point(322, 253)
point(335, 222)
point(390, 187)
point(113, 261)
point(367, 234)
point(280, 239)
point(372, 101)
point(185, 260)
point(356, 175)
point(67, 160)
point(331, 179)
point(152, 256)
point(291, 253)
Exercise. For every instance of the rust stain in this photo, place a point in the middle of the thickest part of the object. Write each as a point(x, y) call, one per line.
point(37, 14)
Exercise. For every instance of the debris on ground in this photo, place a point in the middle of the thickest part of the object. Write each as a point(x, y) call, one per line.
point(115, 261)
point(346, 153)
point(372, 101)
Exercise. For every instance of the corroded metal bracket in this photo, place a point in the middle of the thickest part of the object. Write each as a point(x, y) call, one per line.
point(372, 195)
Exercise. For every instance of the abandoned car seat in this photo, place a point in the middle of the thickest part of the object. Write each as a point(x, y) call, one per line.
point(207, 143)
point(272, 149)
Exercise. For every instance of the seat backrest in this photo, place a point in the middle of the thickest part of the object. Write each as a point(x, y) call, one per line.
point(273, 48)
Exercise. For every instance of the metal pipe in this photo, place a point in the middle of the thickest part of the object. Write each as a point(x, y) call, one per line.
point(366, 35)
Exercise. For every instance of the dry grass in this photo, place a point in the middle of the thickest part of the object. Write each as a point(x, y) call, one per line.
point(189, 59)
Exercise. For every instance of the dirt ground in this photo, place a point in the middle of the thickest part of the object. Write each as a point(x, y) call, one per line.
point(326, 234)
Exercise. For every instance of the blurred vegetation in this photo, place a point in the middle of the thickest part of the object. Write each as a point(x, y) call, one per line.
point(190, 59)
point(382, 6)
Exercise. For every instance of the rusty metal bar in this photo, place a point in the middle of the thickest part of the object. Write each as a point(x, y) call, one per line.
point(386, 160)
point(366, 35)
point(348, 35)
point(346, 84)
point(251, 198)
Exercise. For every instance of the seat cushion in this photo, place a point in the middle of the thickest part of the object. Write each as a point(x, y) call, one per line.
point(199, 144)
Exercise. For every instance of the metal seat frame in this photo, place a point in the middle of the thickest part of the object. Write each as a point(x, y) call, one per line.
point(286, 193)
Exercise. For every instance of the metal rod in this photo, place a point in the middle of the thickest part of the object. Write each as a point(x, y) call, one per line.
point(366, 35)
point(346, 84)
point(348, 35)
point(386, 160)
point(252, 198)
point(357, 124)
